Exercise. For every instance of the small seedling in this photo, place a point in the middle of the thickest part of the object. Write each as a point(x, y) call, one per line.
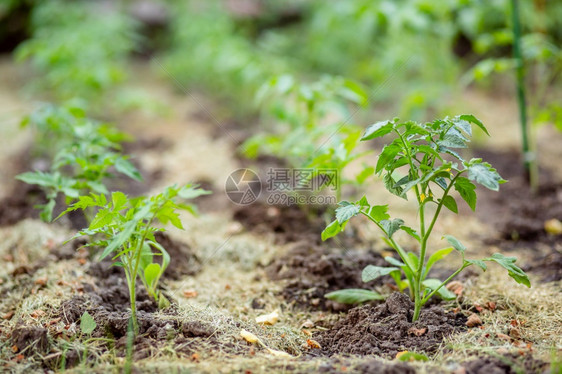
point(86, 153)
point(124, 227)
point(419, 160)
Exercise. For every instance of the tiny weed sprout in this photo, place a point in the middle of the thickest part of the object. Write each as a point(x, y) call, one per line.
point(86, 153)
point(124, 227)
point(422, 159)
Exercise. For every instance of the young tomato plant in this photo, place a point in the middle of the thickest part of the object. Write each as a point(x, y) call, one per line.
point(124, 227)
point(85, 153)
point(309, 116)
point(422, 159)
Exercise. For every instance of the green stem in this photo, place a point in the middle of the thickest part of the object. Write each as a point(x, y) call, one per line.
point(418, 302)
point(528, 156)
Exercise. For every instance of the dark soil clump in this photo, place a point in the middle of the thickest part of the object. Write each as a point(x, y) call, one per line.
point(30, 339)
point(185, 261)
point(507, 364)
point(385, 330)
point(313, 271)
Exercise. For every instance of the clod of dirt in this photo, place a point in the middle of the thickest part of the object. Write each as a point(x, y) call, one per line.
point(289, 223)
point(386, 329)
point(506, 364)
point(30, 339)
point(313, 271)
point(185, 261)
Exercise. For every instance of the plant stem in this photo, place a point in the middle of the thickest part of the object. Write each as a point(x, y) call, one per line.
point(528, 156)
point(418, 302)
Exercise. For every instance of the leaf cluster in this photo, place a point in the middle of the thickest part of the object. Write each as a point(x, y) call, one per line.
point(86, 153)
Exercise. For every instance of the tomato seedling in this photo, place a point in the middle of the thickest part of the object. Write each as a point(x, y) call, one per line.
point(85, 153)
point(124, 227)
point(422, 159)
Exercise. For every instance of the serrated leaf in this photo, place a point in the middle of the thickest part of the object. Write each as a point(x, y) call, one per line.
point(377, 130)
point(371, 272)
point(452, 140)
point(87, 323)
point(455, 243)
point(346, 212)
point(46, 210)
point(353, 296)
point(118, 200)
point(450, 203)
point(103, 218)
point(39, 178)
point(466, 189)
point(513, 270)
point(484, 174)
point(388, 153)
point(191, 192)
point(391, 226)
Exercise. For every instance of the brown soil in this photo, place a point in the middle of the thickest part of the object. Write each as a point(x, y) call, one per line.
point(185, 262)
point(520, 216)
point(385, 330)
point(313, 271)
point(29, 338)
point(288, 223)
point(368, 367)
point(506, 364)
point(19, 204)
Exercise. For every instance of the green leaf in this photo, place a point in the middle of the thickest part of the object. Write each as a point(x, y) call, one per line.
point(46, 210)
point(437, 256)
point(450, 203)
point(393, 261)
point(513, 270)
point(120, 239)
point(331, 230)
point(379, 212)
point(118, 200)
point(346, 212)
point(443, 292)
point(388, 153)
point(372, 272)
point(412, 356)
point(472, 119)
point(466, 189)
point(481, 264)
point(390, 227)
point(377, 130)
point(103, 218)
point(353, 296)
point(364, 174)
point(191, 192)
point(452, 140)
point(151, 274)
point(455, 243)
point(413, 233)
point(87, 323)
point(483, 173)
point(124, 166)
point(39, 178)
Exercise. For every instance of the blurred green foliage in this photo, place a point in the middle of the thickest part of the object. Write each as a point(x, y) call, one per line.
point(78, 48)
